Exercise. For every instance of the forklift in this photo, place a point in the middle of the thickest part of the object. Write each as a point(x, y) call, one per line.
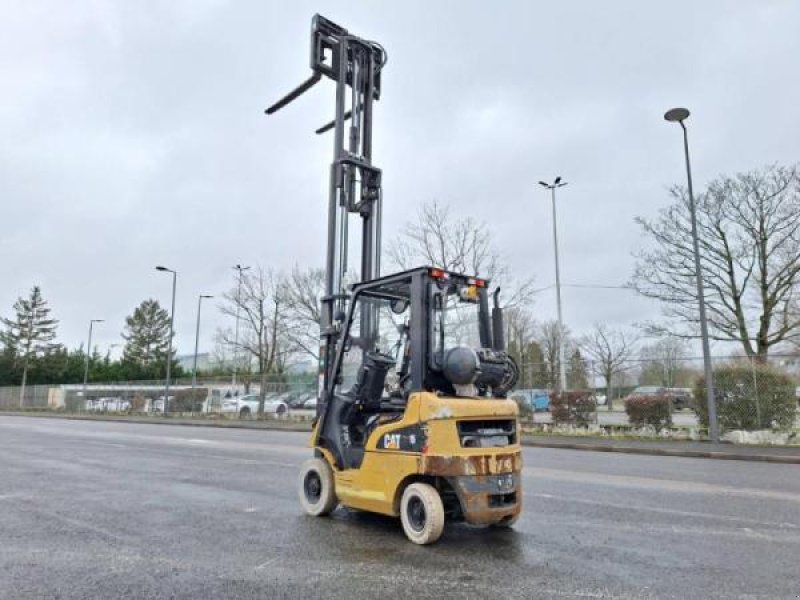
point(413, 418)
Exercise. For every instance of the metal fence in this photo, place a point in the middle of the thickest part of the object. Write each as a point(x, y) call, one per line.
point(32, 396)
point(208, 396)
point(750, 394)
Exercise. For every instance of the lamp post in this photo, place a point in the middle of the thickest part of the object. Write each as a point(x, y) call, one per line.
point(196, 344)
point(679, 115)
point(171, 324)
point(88, 355)
point(562, 370)
point(240, 270)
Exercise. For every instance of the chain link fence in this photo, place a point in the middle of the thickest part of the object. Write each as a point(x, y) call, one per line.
point(750, 394)
point(283, 396)
point(31, 396)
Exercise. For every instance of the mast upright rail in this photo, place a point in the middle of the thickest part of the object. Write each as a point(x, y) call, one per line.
point(355, 65)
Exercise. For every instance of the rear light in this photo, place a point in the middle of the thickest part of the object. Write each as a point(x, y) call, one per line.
point(476, 282)
point(469, 293)
point(439, 274)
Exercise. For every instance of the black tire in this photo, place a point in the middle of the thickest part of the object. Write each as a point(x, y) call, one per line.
point(317, 488)
point(244, 412)
point(281, 409)
point(422, 513)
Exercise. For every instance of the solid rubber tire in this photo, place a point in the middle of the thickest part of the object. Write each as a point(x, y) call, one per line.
point(434, 513)
point(327, 500)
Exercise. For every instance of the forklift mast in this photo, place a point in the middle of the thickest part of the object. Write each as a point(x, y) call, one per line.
point(355, 65)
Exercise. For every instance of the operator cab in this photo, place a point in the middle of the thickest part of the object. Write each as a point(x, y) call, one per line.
point(420, 330)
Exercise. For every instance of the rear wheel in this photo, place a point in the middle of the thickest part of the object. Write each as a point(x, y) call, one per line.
point(245, 412)
point(422, 513)
point(317, 488)
point(281, 409)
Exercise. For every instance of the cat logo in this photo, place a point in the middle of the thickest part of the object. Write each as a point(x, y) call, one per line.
point(391, 441)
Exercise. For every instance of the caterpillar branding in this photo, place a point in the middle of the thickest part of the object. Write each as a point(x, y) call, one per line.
point(408, 439)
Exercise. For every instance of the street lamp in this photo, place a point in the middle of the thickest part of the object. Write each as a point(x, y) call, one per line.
point(171, 324)
point(88, 355)
point(240, 270)
point(679, 115)
point(562, 371)
point(196, 344)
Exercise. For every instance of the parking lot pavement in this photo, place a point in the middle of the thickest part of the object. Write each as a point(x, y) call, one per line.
point(104, 510)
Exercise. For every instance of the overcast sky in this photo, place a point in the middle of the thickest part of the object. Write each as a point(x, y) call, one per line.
point(132, 134)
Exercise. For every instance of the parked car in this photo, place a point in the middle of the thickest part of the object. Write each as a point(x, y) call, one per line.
point(600, 399)
point(109, 404)
point(537, 399)
point(681, 397)
point(247, 405)
point(647, 390)
point(299, 400)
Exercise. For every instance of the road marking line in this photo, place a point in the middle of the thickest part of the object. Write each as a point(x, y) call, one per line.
point(653, 483)
point(267, 563)
point(666, 511)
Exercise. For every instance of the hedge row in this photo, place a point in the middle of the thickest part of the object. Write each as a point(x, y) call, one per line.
point(749, 397)
point(573, 407)
point(654, 410)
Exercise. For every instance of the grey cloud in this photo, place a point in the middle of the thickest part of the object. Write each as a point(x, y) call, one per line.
point(133, 135)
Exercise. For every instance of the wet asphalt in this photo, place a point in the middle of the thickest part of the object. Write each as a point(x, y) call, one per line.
point(120, 510)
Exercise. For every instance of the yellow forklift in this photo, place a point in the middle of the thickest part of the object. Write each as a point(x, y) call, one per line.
point(412, 415)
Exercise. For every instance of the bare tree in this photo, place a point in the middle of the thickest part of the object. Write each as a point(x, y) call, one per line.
point(664, 362)
point(521, 340)
point(459, 245)
point(549, 341)
point(610, 349)
point(225, 357)
point(221, 356)
point(263, 311)
point(749, 231)
point(462, 245)
point(520, 331)
point(302, 291)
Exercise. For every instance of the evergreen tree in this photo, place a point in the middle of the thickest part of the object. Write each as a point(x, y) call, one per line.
point(146, 334)
point(577, 373)
point(30, 333)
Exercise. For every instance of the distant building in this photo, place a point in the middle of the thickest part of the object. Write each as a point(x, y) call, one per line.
point(205, 361)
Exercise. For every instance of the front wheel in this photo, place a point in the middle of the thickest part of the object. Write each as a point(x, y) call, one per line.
point(244, 413)
point(316, 487)
point(422, 513)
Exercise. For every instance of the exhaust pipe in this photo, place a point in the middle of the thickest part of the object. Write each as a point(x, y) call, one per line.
point(498, 328)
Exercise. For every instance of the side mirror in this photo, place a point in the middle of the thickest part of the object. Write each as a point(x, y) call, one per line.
point(399, 306)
